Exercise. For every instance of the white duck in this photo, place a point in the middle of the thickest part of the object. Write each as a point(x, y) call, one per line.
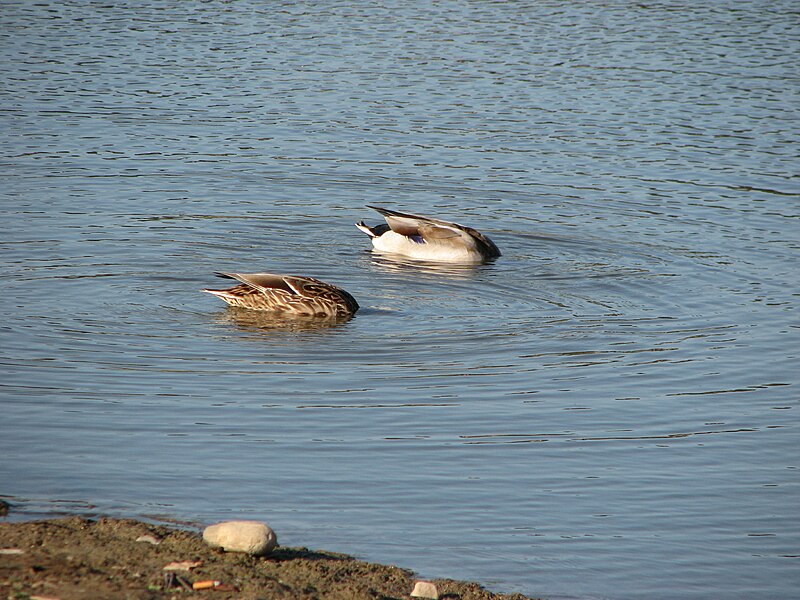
point(426, 238)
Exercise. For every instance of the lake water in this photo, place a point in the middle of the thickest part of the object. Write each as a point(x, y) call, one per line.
point(609, 410)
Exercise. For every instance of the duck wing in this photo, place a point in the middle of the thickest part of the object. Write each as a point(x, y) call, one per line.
point(411, 225)
point(261, 281)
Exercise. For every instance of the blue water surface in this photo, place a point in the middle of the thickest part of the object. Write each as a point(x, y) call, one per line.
point(609, 410)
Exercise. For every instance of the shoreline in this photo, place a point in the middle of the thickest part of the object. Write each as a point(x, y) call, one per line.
point(73, 558)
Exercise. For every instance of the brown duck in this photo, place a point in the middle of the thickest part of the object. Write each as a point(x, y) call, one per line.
point(288, 294)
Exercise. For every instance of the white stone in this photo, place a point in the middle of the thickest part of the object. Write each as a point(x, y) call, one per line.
point(425, 589)
point(253, 537)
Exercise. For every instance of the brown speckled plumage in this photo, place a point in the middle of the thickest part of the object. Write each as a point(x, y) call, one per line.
point(289, 294)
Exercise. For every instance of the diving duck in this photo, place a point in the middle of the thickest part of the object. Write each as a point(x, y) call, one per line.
point(427, 238)
point(289, 294)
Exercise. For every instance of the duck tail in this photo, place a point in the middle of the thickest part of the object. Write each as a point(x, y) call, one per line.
point(366, 229)
point(218, 293)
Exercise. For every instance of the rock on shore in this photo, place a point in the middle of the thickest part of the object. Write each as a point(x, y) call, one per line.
point(251, 537)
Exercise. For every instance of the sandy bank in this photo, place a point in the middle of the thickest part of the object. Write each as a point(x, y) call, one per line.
point(75, 558)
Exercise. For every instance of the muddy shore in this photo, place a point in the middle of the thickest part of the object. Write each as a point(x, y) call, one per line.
point(74, 558)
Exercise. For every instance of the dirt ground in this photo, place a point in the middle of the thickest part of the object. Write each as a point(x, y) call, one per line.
point(75, 558)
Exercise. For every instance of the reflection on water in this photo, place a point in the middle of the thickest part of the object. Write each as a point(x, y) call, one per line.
point(400, 264)
point(255, 321)
point(607, 410)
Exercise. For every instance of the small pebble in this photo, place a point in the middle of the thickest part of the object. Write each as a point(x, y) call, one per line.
point(252, 537)
point(150, 539)
point(186, 565)
point(425, 589)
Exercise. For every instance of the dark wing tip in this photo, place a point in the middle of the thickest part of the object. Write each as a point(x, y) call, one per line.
point(383, 211)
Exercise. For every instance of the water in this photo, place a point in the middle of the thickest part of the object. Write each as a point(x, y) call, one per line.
point(607, 411)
